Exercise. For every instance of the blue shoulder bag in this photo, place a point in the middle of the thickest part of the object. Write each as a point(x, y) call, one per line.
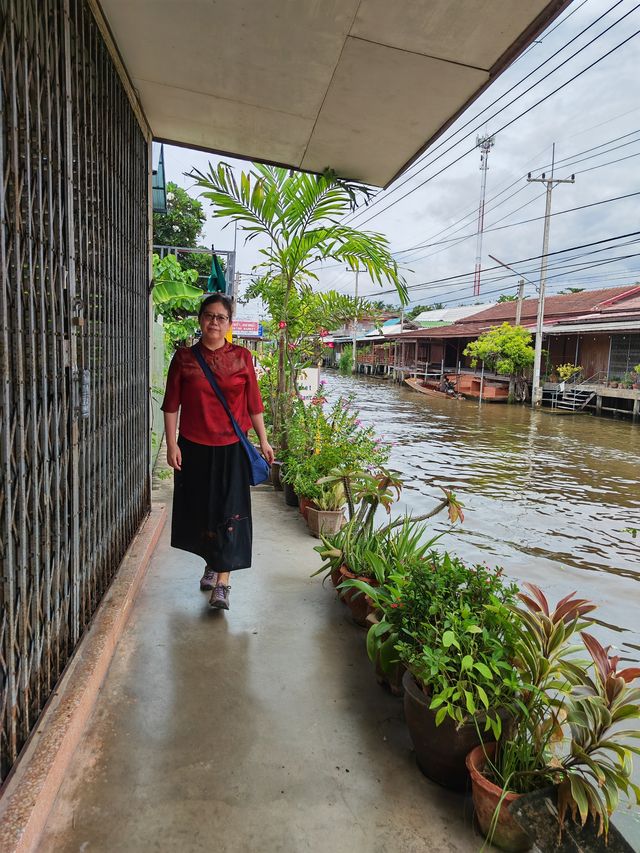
point(259, 467)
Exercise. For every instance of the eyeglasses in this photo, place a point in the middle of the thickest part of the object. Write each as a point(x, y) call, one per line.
point(220, 318)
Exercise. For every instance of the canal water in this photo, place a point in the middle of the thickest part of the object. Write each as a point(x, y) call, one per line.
point(546, 497)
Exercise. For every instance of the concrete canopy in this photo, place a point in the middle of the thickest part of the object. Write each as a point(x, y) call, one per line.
point(362, 86)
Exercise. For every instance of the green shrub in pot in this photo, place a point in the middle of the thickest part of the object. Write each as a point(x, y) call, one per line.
point(455, 637)
point(570, 725)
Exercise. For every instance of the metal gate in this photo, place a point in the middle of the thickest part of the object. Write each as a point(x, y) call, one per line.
point(74, 351)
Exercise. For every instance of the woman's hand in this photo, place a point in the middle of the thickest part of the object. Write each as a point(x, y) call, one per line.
point(174, 457)
point(267, 451)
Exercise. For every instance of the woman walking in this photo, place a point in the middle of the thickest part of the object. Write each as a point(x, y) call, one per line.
point(211, 499)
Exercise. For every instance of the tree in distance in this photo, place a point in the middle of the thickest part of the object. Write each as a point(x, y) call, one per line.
point(508, 350)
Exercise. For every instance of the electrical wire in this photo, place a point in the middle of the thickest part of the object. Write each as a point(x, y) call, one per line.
point(503, 127)
point(410, 176)
point(495, 227)
point(566, 162)
point(521, 260)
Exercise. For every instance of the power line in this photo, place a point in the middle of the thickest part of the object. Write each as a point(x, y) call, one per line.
point(525, 260)
point(565, 162)
point(495, 227)
point(499, 98)
point(514, 286)
point(507, 124)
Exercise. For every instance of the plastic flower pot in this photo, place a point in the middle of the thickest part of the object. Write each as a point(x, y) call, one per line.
point(276, 469)
point(328, 522)
point(290, 497)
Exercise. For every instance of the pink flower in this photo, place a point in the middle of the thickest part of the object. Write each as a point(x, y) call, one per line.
point(282, 325)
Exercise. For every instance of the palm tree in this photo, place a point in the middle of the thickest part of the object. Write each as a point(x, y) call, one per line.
point(300, 215)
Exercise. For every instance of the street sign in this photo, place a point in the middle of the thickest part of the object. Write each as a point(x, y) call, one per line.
point(247, 328)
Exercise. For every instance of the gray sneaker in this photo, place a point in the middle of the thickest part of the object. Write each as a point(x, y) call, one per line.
point(220, 597)
point(208, 580)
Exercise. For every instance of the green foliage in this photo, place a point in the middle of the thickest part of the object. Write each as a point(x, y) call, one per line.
point(599, 765)
point(568, 725)
point(311, 314)
point(183, 222)
point(182, 225)
point(301, 217)
point(545, 659)
point(175, 297)
point(456, 637)
point(320, 440)
point(566, 371)
point(507, 297)
point(345, 362)
point(506, 349)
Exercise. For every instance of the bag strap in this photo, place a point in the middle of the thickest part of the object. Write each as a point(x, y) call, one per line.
point(218, 391)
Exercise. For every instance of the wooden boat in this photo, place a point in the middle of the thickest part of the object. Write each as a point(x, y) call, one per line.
point(418, 385)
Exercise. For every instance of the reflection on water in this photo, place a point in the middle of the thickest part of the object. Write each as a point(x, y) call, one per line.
point(547, 497)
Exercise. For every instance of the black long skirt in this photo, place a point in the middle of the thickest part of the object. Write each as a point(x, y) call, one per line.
point(212, 505)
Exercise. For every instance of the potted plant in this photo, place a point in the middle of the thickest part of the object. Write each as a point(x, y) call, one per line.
point(627, 380)
point(591, 763)
point(327, 514)
point(565, 725)
point(613, 382)
point(455, 639)
point(567, 371)
point(636, 378)
point(361, 551)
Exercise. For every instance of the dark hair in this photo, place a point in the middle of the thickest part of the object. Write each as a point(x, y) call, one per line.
point(211, 300)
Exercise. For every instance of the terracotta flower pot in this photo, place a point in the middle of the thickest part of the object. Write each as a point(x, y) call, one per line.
point(355, 600)
point(506, 835)
point(336, 577)
point(324, 521)
point(440, 750)
point(304, 505)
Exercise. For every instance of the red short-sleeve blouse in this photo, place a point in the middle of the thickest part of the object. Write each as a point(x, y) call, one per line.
point(202, 418)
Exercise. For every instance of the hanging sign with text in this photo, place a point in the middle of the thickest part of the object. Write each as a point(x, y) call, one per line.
point(247, 328)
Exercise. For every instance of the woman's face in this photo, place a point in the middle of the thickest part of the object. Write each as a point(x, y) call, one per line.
point(214, 323)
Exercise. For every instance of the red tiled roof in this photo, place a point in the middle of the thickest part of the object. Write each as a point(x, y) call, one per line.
point(554, 306)
point(599, 304)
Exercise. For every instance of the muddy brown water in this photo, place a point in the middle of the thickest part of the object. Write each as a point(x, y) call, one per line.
point(546, 497)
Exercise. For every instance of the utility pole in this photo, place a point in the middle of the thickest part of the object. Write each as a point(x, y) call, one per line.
point(485, 144)
point(520, 299)
point(550, 183)
point(520, 287)
point(355, 326)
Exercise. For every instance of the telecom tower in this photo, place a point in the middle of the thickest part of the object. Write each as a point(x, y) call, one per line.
point(485, 144)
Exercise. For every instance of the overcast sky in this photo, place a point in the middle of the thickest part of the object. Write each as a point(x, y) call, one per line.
point(597, 109)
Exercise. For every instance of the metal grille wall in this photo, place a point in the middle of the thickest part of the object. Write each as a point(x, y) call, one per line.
point(625, 354)
point(73, 343)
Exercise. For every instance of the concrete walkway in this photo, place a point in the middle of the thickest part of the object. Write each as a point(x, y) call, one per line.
point(262, 729)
